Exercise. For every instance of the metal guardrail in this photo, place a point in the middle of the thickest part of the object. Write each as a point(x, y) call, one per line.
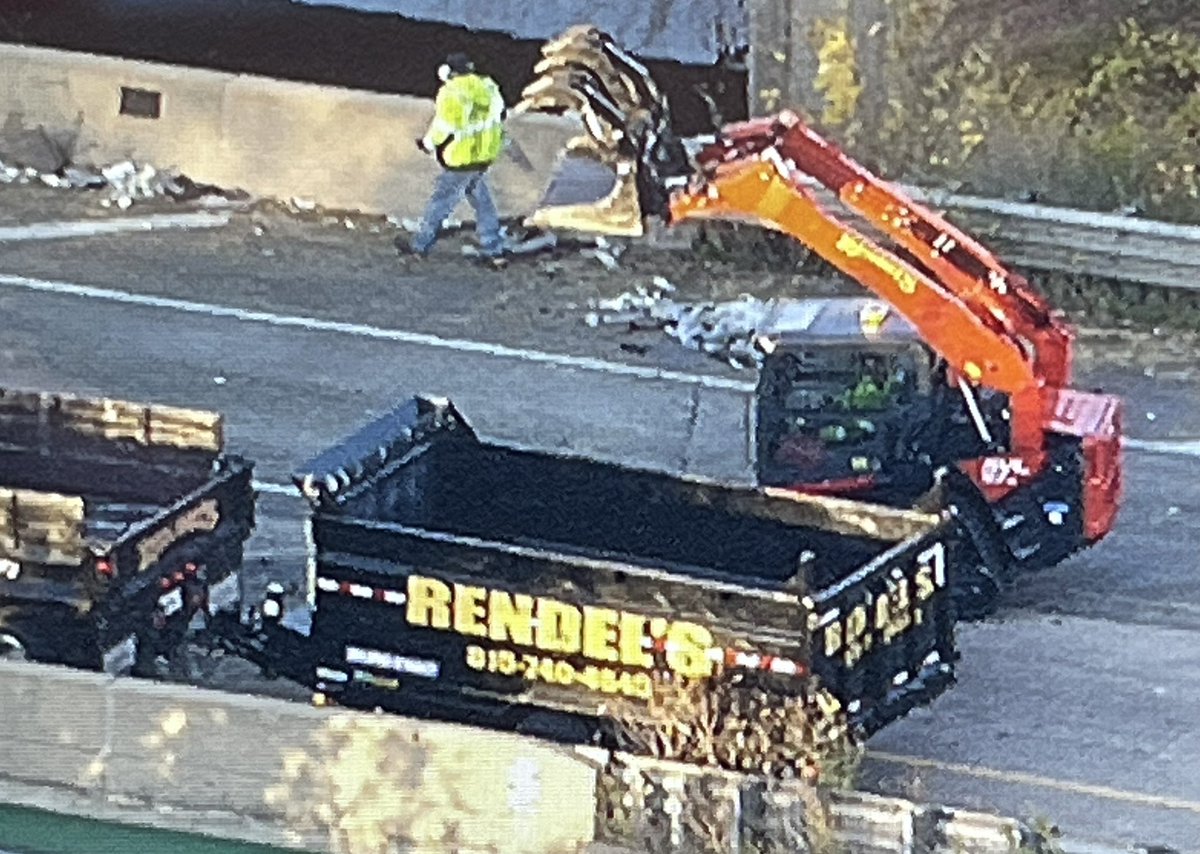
point(1109, 246)
point(1030, 236)
point(1063, 240)
point(1066, 240)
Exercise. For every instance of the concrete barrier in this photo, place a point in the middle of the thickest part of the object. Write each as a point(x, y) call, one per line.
point(323, 779)
point(341, 148)
point(52, 731)
point(182, 758)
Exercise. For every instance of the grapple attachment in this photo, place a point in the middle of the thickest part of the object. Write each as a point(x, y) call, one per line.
point(614, 174)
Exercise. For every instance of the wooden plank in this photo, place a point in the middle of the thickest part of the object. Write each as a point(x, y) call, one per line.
point(186, 428)
point(43, 527)
point(22, 412)
point(108, 419)
point(20, 403)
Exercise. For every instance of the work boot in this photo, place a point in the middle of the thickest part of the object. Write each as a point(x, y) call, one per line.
point(494, 262)
point(404, 245)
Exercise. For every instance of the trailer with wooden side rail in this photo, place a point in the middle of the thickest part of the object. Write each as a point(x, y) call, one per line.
point(119, 523)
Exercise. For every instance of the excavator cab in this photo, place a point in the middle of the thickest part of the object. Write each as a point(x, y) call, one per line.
point(874, 421)
point(853, 402)
point(838, 418)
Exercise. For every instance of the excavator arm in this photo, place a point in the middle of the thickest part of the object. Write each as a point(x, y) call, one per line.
point(741, 178)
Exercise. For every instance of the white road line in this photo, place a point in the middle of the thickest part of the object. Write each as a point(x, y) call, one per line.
point(1180, 447)
point(277, 488)
point(90, 227)
point(1035, 780)
point(362, 330)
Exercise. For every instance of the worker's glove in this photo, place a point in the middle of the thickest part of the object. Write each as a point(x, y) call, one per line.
point(423, 145)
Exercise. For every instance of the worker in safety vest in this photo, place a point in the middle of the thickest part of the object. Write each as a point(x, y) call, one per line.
point(466, 136)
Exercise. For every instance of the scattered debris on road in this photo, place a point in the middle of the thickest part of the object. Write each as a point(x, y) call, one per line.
point(125, 183)
point(724, 329)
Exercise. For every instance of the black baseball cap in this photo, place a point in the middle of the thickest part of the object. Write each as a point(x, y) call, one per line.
point(460, 63)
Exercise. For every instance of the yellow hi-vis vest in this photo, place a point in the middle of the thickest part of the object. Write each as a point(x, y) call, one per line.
point(468, 122)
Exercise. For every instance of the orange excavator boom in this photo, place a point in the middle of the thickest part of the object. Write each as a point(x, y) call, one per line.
point(986, 321)
point(971, 279)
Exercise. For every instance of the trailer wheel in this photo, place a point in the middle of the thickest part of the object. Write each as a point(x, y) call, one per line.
point(11, 648)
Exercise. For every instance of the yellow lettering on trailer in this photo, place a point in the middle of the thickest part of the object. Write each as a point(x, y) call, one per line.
point(469, 612)
point(601, 628)
point(552, 626)
point(510, 617)
point(428, 602)
point(631, 644)
point(559, 627)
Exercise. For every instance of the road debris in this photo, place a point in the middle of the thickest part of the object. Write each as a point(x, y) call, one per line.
point(607, 259)
point(725, 329)
point(129, 182)
point(126, 182)
point(84, 178)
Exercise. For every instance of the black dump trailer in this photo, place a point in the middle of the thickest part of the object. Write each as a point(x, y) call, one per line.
point(466, 580)
point(119, 524)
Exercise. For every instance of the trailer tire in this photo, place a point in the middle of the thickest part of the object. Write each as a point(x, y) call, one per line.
point(12, 648)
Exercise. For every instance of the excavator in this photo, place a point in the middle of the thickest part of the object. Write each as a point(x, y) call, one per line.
point(948, 385)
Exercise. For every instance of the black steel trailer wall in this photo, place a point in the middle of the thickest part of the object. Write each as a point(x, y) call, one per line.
point(119, 477)
point(587, 507)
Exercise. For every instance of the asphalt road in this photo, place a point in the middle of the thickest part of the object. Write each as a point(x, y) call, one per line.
point(1076, 703)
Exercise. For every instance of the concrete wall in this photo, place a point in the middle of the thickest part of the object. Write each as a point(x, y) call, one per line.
point(329, 780)
point(342, 148)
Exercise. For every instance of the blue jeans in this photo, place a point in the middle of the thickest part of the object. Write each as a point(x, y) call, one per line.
point(448, 191)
